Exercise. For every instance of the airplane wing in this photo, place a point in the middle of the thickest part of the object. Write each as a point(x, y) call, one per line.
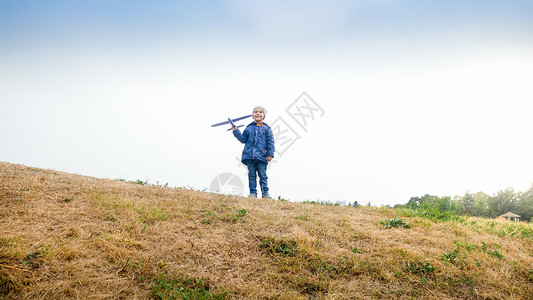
point(233, 120)
point(241, 118)
point(221, 123)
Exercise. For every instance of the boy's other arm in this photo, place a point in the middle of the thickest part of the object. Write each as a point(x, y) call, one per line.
point(270, 145)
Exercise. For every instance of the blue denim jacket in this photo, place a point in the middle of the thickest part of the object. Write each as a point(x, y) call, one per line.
point(258, 140)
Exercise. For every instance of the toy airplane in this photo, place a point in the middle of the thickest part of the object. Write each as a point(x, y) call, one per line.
point(230, 121)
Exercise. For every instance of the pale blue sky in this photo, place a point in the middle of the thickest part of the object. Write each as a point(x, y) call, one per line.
point(60, 23)
point(419, 96)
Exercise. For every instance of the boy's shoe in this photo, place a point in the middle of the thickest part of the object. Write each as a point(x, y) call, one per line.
point(267, 196)
point(252, 195)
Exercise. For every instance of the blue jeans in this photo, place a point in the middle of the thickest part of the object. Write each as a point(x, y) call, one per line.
point(256, 167)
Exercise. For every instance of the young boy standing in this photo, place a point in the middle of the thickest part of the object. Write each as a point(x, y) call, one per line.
point(258, 151)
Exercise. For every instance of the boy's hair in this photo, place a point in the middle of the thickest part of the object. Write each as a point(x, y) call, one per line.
point(262, 108)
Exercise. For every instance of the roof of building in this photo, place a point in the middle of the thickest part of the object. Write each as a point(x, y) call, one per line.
point(510, 215)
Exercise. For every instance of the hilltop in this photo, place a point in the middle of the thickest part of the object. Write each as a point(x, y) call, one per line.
point(65, 236)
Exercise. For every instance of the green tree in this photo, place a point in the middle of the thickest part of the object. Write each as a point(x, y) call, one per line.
point(473, 204)
point(424, 202)
point(481, 206)
point(504, 201)
point(446, 204)
point(434, 204)
point(524, 207)
point(468, 203)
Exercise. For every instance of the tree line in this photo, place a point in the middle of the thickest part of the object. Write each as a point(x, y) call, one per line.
point(479, 204)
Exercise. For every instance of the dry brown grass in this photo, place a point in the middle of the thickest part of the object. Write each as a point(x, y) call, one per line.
point(66, 236)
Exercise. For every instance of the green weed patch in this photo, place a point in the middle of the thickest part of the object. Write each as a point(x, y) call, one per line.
point(184, 288)
point(239, 216)
point(418, 267)
point(394, 222)
point(433, 215)
point(451, 257)
point(211, 217)
point(281, 247)
point(355, 249)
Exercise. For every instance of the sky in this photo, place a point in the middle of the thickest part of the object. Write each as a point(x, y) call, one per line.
point(373, 101)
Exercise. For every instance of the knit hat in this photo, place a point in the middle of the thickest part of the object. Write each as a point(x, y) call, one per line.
point(262, 108)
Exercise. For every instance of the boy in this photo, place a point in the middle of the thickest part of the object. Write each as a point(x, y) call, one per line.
point(258, 151)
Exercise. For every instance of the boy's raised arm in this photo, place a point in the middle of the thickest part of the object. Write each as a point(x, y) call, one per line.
point(237, 133)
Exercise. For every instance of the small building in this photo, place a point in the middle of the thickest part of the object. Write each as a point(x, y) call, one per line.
point(510, 216)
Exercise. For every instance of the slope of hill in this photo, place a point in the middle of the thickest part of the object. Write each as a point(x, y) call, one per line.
point(66, 236)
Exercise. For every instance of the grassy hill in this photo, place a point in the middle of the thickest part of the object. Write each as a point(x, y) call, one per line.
point(65, 236)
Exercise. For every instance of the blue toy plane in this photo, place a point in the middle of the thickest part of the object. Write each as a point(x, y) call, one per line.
point(230, 121)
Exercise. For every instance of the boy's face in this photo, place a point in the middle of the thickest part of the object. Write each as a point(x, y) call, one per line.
point(258, 115)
